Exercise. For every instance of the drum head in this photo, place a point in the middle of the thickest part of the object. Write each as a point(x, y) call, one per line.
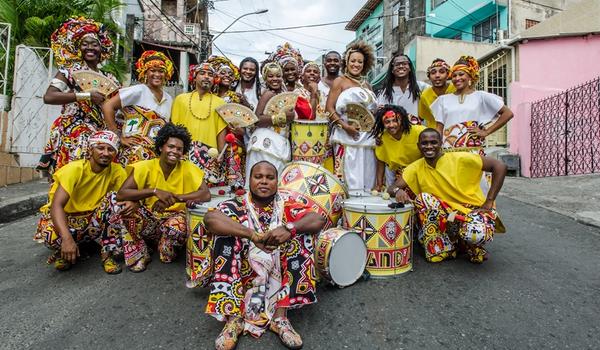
point(373, 205)
point(347, 259)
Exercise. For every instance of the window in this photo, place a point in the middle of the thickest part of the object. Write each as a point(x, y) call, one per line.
point(169, 7)
point(436, 3)
point(485, 32)
point(396, 9)
point(530, 23)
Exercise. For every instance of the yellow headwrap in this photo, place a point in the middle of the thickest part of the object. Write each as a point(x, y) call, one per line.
point(153, 59)
point(467, 64)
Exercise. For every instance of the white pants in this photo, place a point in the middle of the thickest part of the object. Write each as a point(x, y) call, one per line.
point(359, 168)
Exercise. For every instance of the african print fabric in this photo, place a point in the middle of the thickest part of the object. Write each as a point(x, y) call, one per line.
point(100, 225)
point(214, 170)
point(238, 286)
point(142, 126)
point(70, 132)
point(169, 228)
point(441, 233)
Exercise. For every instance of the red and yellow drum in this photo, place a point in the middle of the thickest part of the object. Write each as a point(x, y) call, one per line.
point(387, 233)
point(198, 246)
point(316, 188)
point(340, 256)
point(309, 140)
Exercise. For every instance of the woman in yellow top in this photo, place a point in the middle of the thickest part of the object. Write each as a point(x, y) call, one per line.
point(164, 186)
point(196, 111)
point(398, 146)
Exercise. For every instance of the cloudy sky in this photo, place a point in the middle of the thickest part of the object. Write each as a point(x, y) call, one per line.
point(312, 42)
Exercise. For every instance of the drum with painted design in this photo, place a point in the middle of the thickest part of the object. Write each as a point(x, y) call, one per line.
point(309, 140)
point(198, 251)
point(340, 256)
point(315, 187)
point(387, 233)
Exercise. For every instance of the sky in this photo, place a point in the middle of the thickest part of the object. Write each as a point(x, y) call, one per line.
point(312, 42)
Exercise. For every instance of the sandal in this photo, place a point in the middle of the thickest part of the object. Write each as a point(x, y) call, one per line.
point(288, 336)
point(61, 264)
point(111, 267)
point(228, 338)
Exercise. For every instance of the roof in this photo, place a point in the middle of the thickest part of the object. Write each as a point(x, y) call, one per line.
point(578, 19)
point(362, 14)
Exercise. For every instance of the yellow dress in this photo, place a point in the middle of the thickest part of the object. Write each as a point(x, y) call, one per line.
point(398, 154)
point(455, 179)
point(427, 98)
point(86, 188)
point(185, 178)
point(204, 124)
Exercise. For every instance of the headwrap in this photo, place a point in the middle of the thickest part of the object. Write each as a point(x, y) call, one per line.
point(104, 136)
point(467, 64)
point(438, 63)
point(390, 114)
point(311, 64)
point(153, 59)
point(219, 62)
point(65, 41)
point(271, 66)
point(195, 68)
point(286, 53)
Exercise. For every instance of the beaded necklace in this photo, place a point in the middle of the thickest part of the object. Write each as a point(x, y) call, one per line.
point(200, 99)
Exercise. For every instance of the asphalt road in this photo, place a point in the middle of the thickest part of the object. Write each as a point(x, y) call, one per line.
point(540, 289)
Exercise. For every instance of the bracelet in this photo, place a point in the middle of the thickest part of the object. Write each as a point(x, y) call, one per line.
point(83, 96)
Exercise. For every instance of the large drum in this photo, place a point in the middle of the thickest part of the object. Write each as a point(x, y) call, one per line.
point(387, 233)
point(340, 256)
point(309, 140)
point(198, 245)
point(316, 187)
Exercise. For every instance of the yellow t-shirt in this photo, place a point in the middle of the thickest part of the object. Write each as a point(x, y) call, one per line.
point(427, 98)
point(399, 153)
point(185, 178)
point(85, 187)
point(203, 126)
point(455, 179)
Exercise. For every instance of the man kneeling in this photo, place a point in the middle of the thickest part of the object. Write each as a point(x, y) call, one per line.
point(164, 185)
point(452, 209)
point(262, 260)
point(82, 205)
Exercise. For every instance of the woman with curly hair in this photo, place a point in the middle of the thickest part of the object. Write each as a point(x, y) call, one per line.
point(398, 147)
point(354, 157)
point(78, 44)
point(401, 87)
point(461, 117)
point(146, 108)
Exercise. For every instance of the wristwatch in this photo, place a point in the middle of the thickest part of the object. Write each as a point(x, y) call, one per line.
point(291, 227)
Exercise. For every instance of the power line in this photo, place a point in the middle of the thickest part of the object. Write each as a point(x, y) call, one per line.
point(284, 28)
point(193, 41)
point(475, 20)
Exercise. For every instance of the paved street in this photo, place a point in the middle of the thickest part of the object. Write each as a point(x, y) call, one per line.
point(539, 290)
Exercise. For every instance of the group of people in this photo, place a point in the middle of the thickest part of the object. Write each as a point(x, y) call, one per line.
point(125, 166)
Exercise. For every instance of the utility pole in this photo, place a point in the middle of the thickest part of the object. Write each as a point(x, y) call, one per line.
point(128, 52)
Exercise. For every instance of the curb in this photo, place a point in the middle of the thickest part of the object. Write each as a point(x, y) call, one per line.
point(578, 218)
point(21, 207)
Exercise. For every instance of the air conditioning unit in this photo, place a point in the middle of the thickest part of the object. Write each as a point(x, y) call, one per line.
point(500, 35)
point(189, 29)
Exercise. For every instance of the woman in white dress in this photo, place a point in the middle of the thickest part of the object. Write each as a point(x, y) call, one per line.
point(354, 152)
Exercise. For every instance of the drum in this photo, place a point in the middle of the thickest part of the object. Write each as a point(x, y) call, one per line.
point(197, 248)
point(309, 139)
point(340, 256)
point(387, 233)
point(316, 188)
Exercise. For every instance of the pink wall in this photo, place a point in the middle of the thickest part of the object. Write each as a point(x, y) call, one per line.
point(547, 67)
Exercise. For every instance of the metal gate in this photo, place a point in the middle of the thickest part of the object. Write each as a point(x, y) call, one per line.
point(30, 118)
point(565, 132)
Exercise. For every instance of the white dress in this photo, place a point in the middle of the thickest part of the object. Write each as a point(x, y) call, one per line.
point(403, 99)
point(359, 163)
point(140, 95)
point(250, 94)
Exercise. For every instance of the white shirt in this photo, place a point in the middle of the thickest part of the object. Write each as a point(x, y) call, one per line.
point(403, 99)
point(250, 94)
point(140, 95)
point(479, 106)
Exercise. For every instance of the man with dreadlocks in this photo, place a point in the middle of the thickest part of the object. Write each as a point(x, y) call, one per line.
point(438, 74)
point(146, 108)
point(401, 87)
point(398, 146)
point(78, 44)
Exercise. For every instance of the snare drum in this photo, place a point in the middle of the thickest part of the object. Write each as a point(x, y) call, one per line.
point(340, 256)
point(387, 233)
point(198, 245)
point(309, 140)
point(316, 188)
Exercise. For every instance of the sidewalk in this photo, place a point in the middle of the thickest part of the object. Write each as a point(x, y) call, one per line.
point(20, 200)
point(577, 197)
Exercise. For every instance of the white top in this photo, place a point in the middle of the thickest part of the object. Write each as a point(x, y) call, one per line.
point(479, 106)
point(250, 94)
point(324, 88)
point(403, 99)
point(140, 95)
point(357, 95)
